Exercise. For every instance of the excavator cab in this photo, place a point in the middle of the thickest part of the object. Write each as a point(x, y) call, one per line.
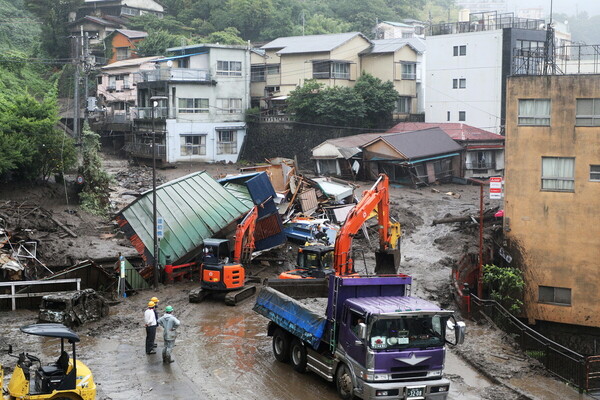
point(313, 261)
point(218, 273)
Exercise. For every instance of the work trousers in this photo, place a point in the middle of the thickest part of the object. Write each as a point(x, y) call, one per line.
point(150, 336)
point(166, 353)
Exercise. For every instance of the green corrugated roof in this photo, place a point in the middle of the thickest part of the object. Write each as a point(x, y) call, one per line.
point(193, 207)
point(240, 192)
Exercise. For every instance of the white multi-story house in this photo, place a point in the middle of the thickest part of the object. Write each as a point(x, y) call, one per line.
point(467, 66)
point(195, 102)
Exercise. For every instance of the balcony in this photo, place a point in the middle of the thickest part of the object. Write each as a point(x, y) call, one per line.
point(177, 75)
point(481, 165)
point(146, 112)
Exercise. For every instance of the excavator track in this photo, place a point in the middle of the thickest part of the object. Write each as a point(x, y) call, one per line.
point(236, 296)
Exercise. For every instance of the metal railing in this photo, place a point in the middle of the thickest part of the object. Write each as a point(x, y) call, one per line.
point(581, 371)
point(146, 112)
point(14, 295)
point(486, 21)
point(566, 60)
point(481, 165)
point(176, 74)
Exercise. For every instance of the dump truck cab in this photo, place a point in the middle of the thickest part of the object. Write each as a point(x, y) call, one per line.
point(218, 273)
point(65, 378)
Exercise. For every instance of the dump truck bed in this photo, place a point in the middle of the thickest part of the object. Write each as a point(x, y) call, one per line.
point(305, 322)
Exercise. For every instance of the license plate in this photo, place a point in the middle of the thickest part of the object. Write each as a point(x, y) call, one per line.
point(415, 392)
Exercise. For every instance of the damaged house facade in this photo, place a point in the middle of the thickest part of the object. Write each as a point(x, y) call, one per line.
point(195, 101)
point(483, 154)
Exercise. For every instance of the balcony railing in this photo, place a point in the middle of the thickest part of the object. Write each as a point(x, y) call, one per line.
point(146, 112)
point(486, 21)
point(177, 74)
point(481, 165)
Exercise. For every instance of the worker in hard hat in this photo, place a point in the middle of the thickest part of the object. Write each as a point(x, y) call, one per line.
point(150, 323)
point(155, 301)
point(170, 325)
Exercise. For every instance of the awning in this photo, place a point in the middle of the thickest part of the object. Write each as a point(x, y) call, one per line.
point(228, 128)
point(280, 98)
point(432, 158)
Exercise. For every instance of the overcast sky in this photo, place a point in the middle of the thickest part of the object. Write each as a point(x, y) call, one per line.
point(569, 7)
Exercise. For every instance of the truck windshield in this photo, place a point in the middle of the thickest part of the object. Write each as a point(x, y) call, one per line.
point(407, 332)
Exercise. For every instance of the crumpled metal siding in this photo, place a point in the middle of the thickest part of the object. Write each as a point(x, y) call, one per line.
point(193, 208)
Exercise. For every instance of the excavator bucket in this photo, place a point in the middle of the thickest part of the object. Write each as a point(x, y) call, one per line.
point(388, 261)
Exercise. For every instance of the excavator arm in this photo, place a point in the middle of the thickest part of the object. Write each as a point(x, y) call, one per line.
point(244, 237)
point(388, 256)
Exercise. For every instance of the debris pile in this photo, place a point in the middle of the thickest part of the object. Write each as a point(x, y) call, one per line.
point(138, 178)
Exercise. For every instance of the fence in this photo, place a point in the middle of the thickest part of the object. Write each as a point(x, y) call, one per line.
point(565, 60)
point(581, 371)
point(14, 295)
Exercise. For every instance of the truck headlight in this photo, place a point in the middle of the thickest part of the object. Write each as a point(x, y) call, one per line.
point(434, 373)
point(439, 389)
point(375, 377)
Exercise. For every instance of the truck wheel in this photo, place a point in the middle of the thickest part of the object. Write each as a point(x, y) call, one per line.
point(281, 345)
point(298, 355)
point(343, 382)
point(66, 396)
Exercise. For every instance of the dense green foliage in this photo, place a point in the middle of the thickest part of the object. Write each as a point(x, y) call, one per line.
point(30, 145)
point(505, 285)
point(259, 20)
point(368, 104)
point(19, 29)
point(94, 196)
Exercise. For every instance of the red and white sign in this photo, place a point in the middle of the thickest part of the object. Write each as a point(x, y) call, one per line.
point(496, 187)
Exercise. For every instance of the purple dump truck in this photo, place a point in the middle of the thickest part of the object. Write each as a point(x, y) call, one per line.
point(370, 337)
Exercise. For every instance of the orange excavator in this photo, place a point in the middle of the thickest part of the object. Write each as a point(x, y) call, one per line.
point(218, 274)
point(318, 261)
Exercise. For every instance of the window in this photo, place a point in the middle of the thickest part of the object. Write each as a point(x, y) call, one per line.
point(227, 143)
point(588, 112)
point(193, 106)
point(595, 173)
point(99, 79)
point(407, 35)
point(460, 50)
point(409, 71)
point(193, 145)
point(529, 47)
point(558, 174)
point(554, 295)
point(273, 69)
point(129, 11)
point(122, 53)
point(534, 112)
point(462, 115)
point(257, 73)
point(331, 69)
point(403, 105)
point(229, 68)
point(460, 83)
point(229, 106)
point(183, 62)
point(447, 115)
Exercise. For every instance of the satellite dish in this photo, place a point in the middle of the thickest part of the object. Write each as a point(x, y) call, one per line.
point(542, 26)
point(169, 63)
point(566, 22)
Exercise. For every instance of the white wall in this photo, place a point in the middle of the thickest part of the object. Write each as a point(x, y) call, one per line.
point(482, 69)
point(177, 129)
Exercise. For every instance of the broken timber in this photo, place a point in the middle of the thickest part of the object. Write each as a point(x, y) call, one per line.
point(60, 224)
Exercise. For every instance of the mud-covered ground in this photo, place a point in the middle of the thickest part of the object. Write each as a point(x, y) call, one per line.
point(223, 352)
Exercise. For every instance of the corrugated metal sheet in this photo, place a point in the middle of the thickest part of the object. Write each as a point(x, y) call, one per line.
point(193, 207)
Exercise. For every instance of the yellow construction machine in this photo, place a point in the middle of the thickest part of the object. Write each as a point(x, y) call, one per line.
point(65, 379)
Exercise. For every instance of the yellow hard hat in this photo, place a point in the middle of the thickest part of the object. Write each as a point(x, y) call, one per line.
point(154, 299)
point(151, 304)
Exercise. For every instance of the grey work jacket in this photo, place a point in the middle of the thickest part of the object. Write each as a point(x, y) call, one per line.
point(169, 324)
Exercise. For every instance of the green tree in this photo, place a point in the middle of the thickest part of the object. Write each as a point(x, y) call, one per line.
point(339, 106)
point(94, 196)
point(505, 285)
point(320, 24)
point(156, 43)
point(379, 99)
point(152, 23)
point(249, 16)
point(228, 36)
point(54, 17)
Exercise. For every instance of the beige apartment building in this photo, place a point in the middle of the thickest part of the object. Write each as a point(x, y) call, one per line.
point(281, 65)
point(552, 226)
